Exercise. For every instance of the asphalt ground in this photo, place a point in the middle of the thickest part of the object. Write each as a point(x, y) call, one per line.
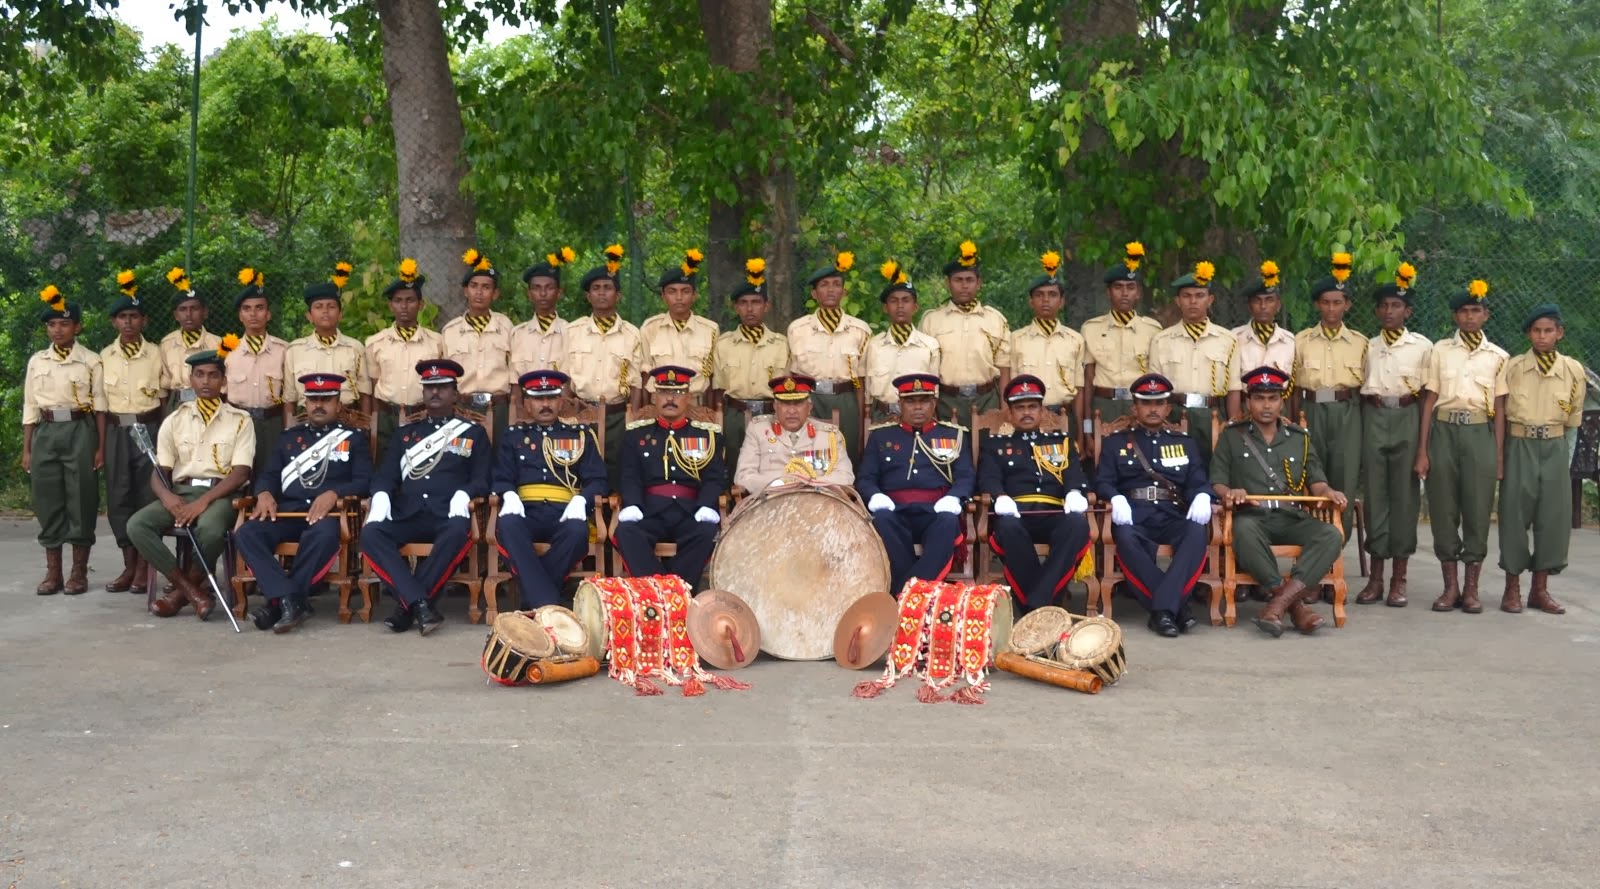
point(1407, 749)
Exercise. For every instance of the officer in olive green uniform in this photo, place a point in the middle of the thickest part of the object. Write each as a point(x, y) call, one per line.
point(1545, 400)
point(1263, 455)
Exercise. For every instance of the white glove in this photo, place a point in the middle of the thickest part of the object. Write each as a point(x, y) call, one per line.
point(707, 514)
point(380, 511)
point(459, 504)
point(880, 502)
point(575, 510)
point(1121, 511)
point(947, 504)
point(630, 514)
point(1200, 509)
point(1004, 505)
point(510, 504)
point(1075, 503)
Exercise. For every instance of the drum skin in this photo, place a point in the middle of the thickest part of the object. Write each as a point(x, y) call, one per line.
point(800, 555)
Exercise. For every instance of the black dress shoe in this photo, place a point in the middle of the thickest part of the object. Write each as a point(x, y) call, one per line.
point(294, 614)
point(1162, 624)
point(265, 616)
point(1186, 621)
point(428, 617)
point(400, 619)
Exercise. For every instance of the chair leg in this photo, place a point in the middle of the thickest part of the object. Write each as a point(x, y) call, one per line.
point(369, 598)
point(1230, 612)
point(344, 600)
point(1216, 604)
point(475, 607)
point(1339, 591)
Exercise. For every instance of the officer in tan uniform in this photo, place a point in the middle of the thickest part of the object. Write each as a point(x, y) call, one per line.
point(255, 369)
point(974, 342)
point(1262, 343)
point(678, 336)
point(1053, 352)
point(1328, 372)
point(746, 358)
point(326, 349)
point(788, 444)
point(1117, 344)
point(901, 349)
point(480, 341)
point(1545, 400)
point(63, 442)
point(132, 367)
point(830, 346)
point(603, 354)
point(1462, 443)
point(1199, 357)
point(536, 342)
point(393, 353)
point(1391, 422)
point(191, 337)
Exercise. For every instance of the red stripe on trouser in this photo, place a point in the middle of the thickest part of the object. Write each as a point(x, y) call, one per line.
point(510, 564)
point(373, 564)
point(325, 569)
point(1016, 588)
point(960, 539)
point(1134, 579)
point(450, 569)
point(1067, 577)
point(1189, 587)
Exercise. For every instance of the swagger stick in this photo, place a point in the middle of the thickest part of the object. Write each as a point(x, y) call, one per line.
point(141, 437)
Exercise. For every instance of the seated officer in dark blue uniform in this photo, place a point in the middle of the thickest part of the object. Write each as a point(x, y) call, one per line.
point(1159, 493)
point(1038, 487)
point(431, 472)
point(313, 467)
point(672, 475)
point(915, 474)
point(548, 472)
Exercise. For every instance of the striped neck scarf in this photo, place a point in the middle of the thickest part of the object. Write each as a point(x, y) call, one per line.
point(1123, 318)
point(192, 337)
point(1547, 360)
point(405, 333)
point(605, 324)
point(327, 340)
point(1196, 331)
point(61, 351)
point(1472, 340)
point(1264, 332)
point(256, 343)
point(967, 309)
point(131, 350)
point(1332, 333)
point(900, 333)
point(830, 318)
point(680, 326)
point(207, 407)
point(1390, 337)
point(753, 334)
point(1047, 325)
point(477, 322)
point(544, 322)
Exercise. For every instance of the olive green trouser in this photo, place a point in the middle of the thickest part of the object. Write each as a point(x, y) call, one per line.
point(823, 406)
point(387, 424)
point(1335, 428)
point(145, 528)
point(1110, 408)
point(268, 430)
point(615, 425)
point(1257, 530)
point(1536, 492)
point(127, 478)
point(1393, 495)
point(733, 423)
point(1460, 489)
point(1199, 428)
point(66, 493)
point(958, 408)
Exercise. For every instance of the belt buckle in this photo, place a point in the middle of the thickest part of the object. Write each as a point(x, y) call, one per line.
point(1271, 504)
point(1537, 431)
point(202, 482)
point(57, 414)
point(1459, 418)
point(824, 387)
point(967, 391)
point(185, 395)
point(1194, 400)
point(1150, 492)
point(1325, 395)
point(1389, 400)
point(1121, 393)
point(481, 400)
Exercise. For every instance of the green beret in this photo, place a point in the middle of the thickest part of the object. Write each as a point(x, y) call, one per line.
point(1120, 272)
point(1394, 291)
point(906, 286)
point(68, 311)
point(1042, 281)
point(1328, 284)
point(1468, 296)
point(676, 275)
point(1543, 310)
point(399, 284)
point(1188, 280)
point(956, 265)
point(595, 274)
point(321, 290)
point(249, 292)
point(126, 304)
point(209, 356)
point(1258, 287)
point(822, 274)
point(748, 289)
point(541, 269)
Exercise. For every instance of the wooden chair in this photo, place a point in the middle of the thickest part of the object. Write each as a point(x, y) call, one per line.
point(340, 576)
point(1322, 509)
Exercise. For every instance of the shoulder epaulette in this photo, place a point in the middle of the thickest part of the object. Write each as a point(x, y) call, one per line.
point(1239, 422)
point(704, 424)
point(885, 425)
point(1295, 427)
point(952, 425)
point(639, 423)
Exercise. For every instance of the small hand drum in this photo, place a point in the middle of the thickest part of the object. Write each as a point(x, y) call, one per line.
point(565, 628)
point(516, 642)
point(1094, 644)
point(1038, 631)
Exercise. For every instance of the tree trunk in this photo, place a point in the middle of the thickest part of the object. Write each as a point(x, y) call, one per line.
point(438, 222)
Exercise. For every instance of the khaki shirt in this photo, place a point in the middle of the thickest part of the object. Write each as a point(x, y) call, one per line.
point(603, 366)
point(1537, 399)
point(192, 448)
point(308, 355)
point(1057, 359)
point(973, 346)
point(690, 347)
point(392, 364)
point(885, 361)
point(1321, 363)
point(1209, 366)
point(133, 385)
point(74, 383)
point(1120, 353)
point(174, 373)
point(743, 368)
point(534, 349)
point(485, 357)
point(257, 380)
point(1278, 352)
point(1466, 380)
point(1399, 369)
point(840, 355)
point(769, 453)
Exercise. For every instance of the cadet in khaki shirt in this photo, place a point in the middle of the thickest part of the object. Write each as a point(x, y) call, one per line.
point(901, 349)
point(392, 354)
point(602, 354)
point(1200, 358)
point(207, 448)
point(1545, 400)
point(1395, 366)
point(1118, 342)
point(190, 338)
point(678, 336)
point(1262, 343)
point(255, 369)
point(974, 342)
point(63, 442)
point(1054, 353)
point(788, 445)
point(325, 349)
point(536, 342)
point(746, 360)
point(1462, 437)
point(830, 346)
point(1328, 370)
point(480, 341)
point(132, 367)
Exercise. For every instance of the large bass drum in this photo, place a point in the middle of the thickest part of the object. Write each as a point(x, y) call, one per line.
point(800, 555)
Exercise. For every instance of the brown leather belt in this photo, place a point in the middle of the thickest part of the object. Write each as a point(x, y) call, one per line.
point(1151, 493)
point(1325, 395)
point(149, 416)
point(677, 492)
point(1548, 430)
point(1121, 393)
point(967, 391)
point(751, 406)
point(263, 413)
point(1390, 401)
point(62, 414)
point(400, 410)
point(835, 387)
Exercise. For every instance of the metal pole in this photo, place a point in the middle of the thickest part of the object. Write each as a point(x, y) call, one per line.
point(197, 21)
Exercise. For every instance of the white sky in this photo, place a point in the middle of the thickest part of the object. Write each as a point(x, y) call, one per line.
point(153, 20)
